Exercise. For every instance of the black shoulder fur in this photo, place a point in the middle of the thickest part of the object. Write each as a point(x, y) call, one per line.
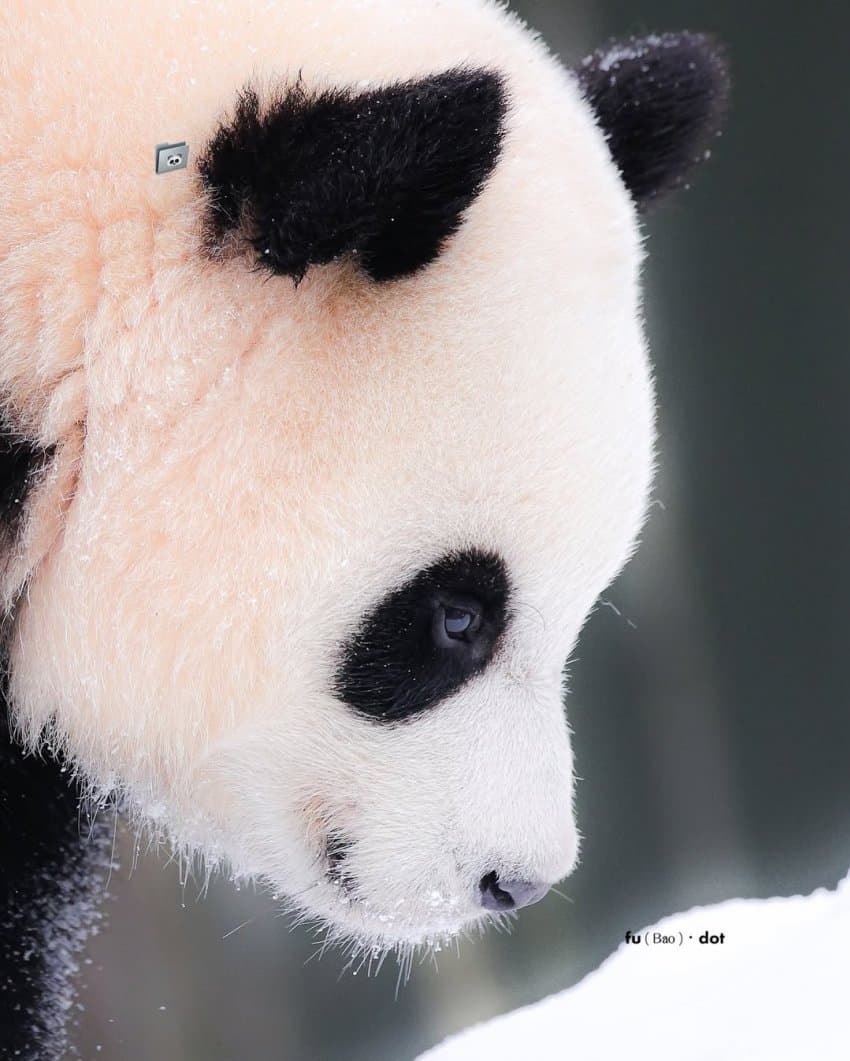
point(50, 880)
point(21, 464)
point(51, 884)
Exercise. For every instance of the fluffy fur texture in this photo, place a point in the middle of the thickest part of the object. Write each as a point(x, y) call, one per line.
point(661, 100)
point(244, 468)
point(382, 175)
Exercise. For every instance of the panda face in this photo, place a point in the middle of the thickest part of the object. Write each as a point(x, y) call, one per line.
point(361, 425)
point(338, 667)
point(420, 772)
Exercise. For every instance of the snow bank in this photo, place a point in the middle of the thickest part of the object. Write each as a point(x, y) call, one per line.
point(775, 989)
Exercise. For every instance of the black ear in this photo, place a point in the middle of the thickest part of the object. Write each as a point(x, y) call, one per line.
point(660, 101)
point(383, 175)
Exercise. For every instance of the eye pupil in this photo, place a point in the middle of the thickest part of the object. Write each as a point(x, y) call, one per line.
point(457, 621)
point(456, 627)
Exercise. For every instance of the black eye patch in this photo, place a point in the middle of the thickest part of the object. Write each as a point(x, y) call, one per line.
point(425, 640)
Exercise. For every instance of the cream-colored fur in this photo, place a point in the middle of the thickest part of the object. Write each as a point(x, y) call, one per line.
point(245, 467)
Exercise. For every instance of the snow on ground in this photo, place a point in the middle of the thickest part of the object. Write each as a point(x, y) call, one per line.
point(776, 989)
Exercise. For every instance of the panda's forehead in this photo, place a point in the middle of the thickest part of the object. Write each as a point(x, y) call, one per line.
point(461, 410)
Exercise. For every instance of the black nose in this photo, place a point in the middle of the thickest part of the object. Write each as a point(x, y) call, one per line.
point(498, 894)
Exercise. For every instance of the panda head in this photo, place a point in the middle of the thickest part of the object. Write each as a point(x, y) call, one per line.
point(352, 423)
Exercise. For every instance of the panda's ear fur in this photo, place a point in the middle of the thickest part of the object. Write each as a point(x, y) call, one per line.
point(382, 175)
point(660, 100)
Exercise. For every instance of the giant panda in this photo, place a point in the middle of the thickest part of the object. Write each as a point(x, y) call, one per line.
point(320, 445)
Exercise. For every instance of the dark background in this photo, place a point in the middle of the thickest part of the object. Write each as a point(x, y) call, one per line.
point(709, 689)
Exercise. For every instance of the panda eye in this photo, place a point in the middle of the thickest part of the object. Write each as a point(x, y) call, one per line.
point(456, 623)
point(426, 639)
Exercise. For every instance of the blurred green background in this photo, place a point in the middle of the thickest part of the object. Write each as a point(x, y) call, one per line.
point(708, 694)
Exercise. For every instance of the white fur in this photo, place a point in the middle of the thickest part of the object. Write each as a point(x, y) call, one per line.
point(245, 467)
